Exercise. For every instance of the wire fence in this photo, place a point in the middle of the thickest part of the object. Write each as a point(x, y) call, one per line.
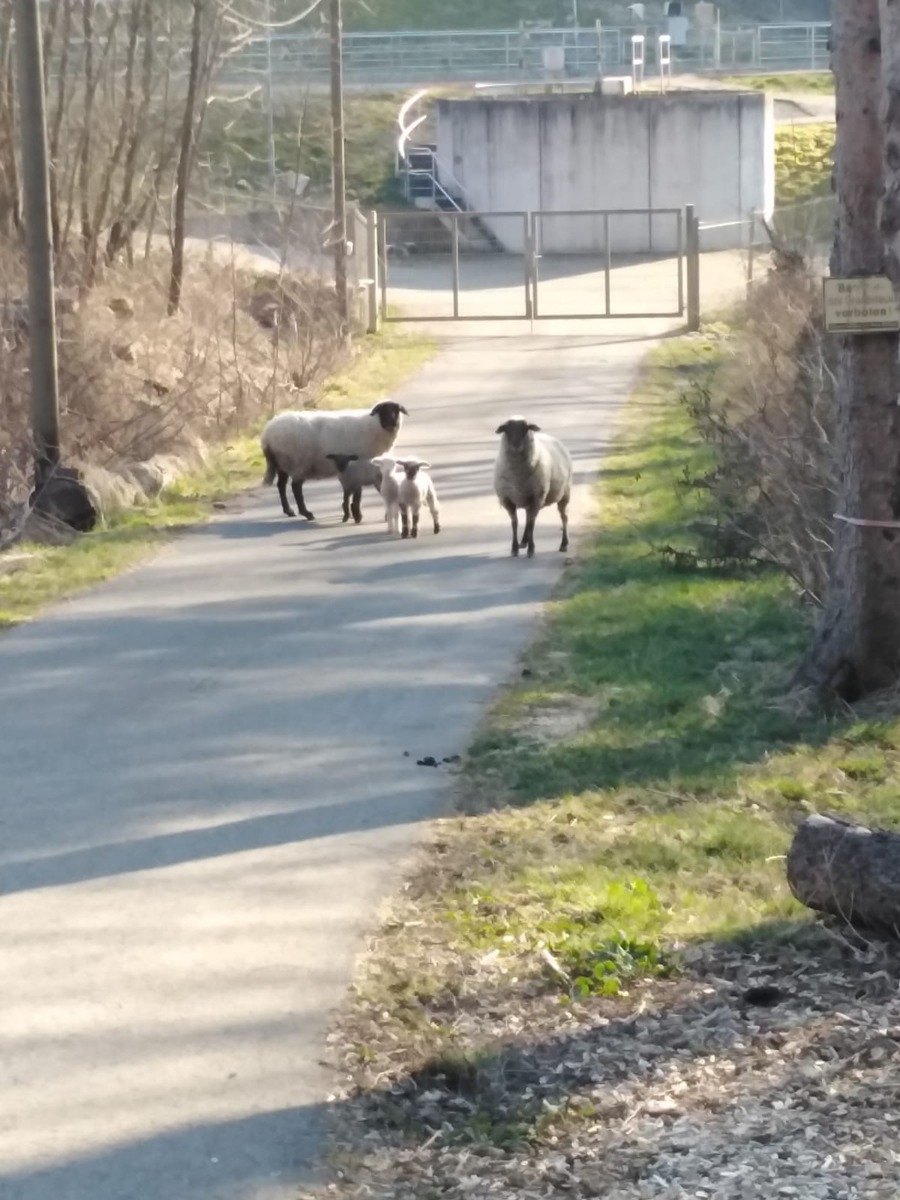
point(508, 54)
point(804, 230)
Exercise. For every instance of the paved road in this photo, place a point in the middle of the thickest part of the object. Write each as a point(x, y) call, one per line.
point(205, 794)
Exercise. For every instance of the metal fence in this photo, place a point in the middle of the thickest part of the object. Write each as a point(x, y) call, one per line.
point(586, 264)
point(410, 57)
point(805, 230)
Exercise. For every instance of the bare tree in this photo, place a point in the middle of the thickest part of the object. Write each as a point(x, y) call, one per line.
point(856, 648)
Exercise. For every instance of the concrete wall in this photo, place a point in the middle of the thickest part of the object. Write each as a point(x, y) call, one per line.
point(712, 149)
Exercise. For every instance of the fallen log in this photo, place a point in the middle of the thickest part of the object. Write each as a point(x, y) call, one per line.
point(847, 870)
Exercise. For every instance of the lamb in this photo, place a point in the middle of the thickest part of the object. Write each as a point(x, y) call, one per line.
point(532, 471)
point(416, 488)
point(296, 445)
point(355, 473)
point(390, 489)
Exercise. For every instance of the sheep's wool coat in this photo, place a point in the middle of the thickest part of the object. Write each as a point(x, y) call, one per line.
point(542, 472)
point(300, 441)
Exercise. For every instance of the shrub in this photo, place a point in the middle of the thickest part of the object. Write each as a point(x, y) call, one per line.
point(768, 417)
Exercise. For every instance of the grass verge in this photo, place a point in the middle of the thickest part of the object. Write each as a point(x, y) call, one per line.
point(819, 83)
point(804, 155)
point(561, 996)
point(33, 576)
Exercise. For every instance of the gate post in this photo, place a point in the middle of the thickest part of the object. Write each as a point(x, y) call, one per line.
point(382, 255)
point(530, 273)
point(692, 246)
point(372, 271)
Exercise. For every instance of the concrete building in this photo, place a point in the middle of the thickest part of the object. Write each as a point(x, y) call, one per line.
point(569, 153)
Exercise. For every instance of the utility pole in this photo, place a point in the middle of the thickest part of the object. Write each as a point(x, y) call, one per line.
point(36, 197)
point(338, 167)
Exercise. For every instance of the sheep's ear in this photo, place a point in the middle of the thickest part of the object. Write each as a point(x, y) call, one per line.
point(404, 410)
point(502, 428)
point(349, 457)
point(534, 428)
point(424, 464)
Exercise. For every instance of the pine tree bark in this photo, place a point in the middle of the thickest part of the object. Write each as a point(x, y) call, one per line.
point(856, 648)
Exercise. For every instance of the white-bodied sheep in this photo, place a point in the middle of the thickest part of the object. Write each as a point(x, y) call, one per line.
point(355, 473)
point(390, 489)
point(416, 488)
point(532, 470)
point(297, 444)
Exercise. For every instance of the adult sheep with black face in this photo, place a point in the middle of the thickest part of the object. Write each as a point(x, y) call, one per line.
point(533, 469)
point(297, 445)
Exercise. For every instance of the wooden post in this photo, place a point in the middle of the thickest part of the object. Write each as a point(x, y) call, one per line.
point(692, 248)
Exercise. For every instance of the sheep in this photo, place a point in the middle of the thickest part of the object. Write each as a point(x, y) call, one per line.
point(416, 488)
point(355, 473)
point(390, 489)
point(296, 445)
point(532, 470)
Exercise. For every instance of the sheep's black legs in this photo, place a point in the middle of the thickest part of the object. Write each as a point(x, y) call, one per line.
point(563, 507)
point(356, 506)
point(404, 522)
point(514, 520)
point(528, 538)
point(415, 523)
point(345, 508)
point(297, 489)
point(282, 479)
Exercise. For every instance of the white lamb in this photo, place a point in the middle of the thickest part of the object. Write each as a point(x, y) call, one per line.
point(532, 471)
point(416, 488)
point(297, 444)
point(390, 489)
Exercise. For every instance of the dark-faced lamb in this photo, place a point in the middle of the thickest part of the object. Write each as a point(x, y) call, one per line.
point(416, 488)
point(533, 469)
point(297, 445)
point(355, 473)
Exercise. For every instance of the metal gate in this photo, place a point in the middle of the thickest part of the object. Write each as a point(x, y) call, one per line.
point(456, 265)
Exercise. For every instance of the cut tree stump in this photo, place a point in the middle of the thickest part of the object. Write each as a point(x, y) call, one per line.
point(847, 870)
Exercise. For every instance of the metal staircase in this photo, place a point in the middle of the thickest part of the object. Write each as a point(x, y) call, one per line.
point(429, 185)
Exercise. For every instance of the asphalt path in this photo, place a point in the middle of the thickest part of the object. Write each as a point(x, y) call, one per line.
point(205, 794)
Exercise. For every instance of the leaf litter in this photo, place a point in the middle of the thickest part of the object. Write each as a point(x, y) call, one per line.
point(756, 1070)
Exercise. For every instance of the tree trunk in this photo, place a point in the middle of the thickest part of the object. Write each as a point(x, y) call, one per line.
point(185, 159)
point(856, 649)
point(847, 870)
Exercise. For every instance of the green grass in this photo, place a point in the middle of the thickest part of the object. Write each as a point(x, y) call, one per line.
point(803, 159)
point(820, 83)
point(51, 574)
point(236, 143)
point(635, 789)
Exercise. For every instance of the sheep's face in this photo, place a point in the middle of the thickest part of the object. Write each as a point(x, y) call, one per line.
point(411, 467)
point(389, 413)
point(518, 433)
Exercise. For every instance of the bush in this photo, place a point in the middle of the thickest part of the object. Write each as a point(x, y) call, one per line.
point(142, 393)
point(768, 416)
